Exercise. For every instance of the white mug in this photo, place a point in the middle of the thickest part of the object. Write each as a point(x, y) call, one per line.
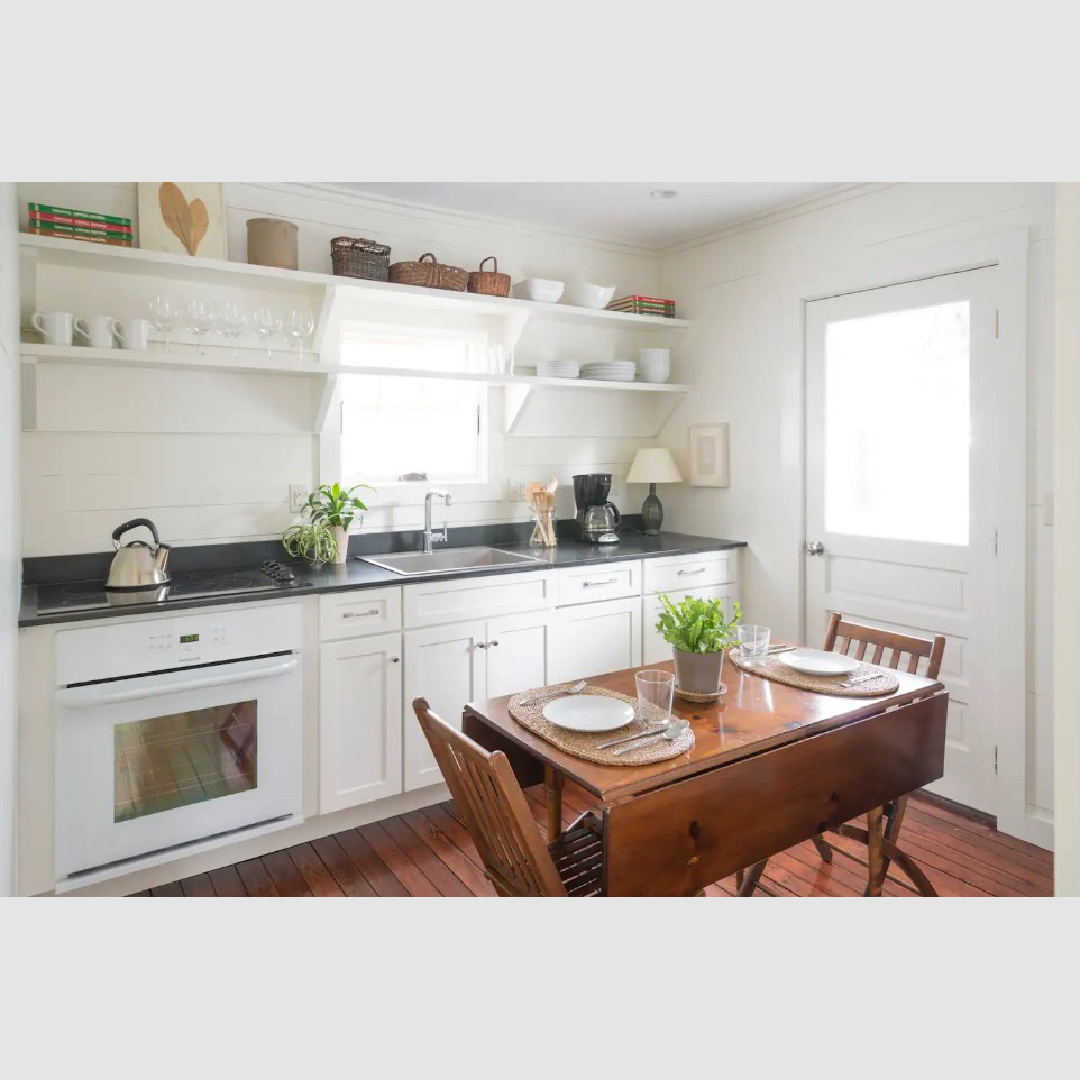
point(133, 333)
point(54, 326)
point(98, 330)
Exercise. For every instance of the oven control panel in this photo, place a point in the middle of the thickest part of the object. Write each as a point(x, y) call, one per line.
point(135, 646)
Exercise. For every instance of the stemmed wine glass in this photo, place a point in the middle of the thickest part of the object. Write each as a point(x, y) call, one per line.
point(299, 326)
point(233, 323)
point(266, 323)
point(163, 316)
point(202, 318)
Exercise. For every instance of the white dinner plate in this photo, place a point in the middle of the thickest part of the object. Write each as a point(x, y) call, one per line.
point(818, 662)
point(588, 712)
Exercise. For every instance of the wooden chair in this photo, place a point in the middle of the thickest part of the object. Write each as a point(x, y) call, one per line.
point(883, 823)
point(493, 807)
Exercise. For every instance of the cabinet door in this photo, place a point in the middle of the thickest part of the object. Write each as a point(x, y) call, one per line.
point(359, 721)
point(517, 652)
point(653, 647)
point(595, 639)
point(445, 665)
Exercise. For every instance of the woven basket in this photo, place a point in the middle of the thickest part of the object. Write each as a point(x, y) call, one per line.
point(353, 256)
point(490, 283)
point(431, 275)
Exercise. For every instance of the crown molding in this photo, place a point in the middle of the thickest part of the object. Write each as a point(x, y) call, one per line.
point(424, 211)
point(795, 209)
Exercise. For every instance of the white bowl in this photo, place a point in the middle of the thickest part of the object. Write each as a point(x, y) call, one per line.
point(586, 294)
point(543, 289)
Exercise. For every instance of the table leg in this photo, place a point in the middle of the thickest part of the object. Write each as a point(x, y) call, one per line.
point(553, 785)
point(750, 878)
point(875, 869)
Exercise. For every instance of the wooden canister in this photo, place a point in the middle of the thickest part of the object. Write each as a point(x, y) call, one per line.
point(272, 242)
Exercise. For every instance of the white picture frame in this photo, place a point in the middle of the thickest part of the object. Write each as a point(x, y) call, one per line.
point(183, 219)
point(709, 455)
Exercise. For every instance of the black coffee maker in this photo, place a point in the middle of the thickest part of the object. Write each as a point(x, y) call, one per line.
point(596, 517)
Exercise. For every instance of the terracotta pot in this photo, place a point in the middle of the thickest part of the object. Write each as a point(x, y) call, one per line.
point(698, 673)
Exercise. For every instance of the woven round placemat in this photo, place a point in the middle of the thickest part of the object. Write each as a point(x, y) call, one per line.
point(696, 698)
point(583, 744)
point(771, 668)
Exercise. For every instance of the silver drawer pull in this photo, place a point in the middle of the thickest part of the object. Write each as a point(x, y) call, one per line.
point(590, 584)
point(689, 573)
point(360, 614)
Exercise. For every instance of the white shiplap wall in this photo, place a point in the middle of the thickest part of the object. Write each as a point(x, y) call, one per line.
point(210, 457)
point(9, 528)
point(741, 292)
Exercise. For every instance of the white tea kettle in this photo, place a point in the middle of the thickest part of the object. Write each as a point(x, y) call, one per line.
point(138, 565)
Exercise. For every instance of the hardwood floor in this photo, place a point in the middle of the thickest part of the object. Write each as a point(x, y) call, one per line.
point(429, 853)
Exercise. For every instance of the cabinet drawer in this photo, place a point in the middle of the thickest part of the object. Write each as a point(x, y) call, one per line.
point(603, 581)
point(356, 614)
point(435, 603)
point(684, 573)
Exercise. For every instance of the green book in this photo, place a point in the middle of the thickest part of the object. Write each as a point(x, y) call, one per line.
point(89, 215)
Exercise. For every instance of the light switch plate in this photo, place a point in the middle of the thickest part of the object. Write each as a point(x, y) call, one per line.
point(298, 496)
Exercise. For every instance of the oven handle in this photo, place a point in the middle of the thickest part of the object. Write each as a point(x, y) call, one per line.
point(85, 696)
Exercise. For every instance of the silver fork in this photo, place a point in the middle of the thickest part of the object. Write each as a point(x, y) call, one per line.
point(575, 689)
point(856, 679)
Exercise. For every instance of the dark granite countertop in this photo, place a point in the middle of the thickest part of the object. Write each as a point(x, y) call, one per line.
point(357, 574)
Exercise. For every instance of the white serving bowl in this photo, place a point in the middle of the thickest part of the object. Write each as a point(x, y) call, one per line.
point(586, 294)
point(543, 289)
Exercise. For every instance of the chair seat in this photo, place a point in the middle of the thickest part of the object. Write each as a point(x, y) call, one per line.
point(578, 855)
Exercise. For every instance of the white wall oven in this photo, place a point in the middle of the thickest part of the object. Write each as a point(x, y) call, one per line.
point(172, 733)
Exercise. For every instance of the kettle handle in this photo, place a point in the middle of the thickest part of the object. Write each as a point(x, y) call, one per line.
point(134, 524)
point(615, 511)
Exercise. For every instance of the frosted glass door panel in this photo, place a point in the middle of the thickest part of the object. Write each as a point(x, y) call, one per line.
point(898, 425)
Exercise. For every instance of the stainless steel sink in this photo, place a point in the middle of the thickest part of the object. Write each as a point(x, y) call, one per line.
point(447, 561)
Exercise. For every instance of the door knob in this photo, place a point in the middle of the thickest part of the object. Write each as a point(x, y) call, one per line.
point(814, 547)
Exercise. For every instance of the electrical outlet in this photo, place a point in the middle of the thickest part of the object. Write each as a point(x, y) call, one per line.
point(515, 490)
point(298, 496)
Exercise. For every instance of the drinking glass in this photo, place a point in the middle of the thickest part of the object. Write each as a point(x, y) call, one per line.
point(266, 323)
point(753, 641)
point(163, 316)
point(233, 323)
point(298, 326)
point(202, 318)
point(654, 687)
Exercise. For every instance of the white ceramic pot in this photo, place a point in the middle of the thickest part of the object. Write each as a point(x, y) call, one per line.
point(342, 537)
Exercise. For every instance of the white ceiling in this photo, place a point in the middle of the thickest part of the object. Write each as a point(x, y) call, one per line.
point(619, 212)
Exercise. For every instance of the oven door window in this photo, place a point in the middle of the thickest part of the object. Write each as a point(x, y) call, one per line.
point(184, 758)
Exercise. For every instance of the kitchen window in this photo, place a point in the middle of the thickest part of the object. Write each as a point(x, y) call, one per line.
point(396, 426)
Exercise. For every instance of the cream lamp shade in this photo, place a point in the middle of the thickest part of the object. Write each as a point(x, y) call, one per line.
point(653, 466)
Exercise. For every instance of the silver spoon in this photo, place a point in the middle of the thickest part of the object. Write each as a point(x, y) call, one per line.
point(671, 733)
point(575, 689)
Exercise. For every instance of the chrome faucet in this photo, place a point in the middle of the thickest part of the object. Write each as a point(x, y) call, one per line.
point(430, 536)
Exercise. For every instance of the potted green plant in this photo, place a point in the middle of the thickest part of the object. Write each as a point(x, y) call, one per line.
point(315, 542)
point(337, 507)
point(698, 633)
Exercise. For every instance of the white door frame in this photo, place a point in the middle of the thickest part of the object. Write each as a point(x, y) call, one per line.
point(1009, 252)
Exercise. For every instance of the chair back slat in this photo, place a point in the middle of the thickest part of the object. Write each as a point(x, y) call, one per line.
point(914, 648)
point(494, 810)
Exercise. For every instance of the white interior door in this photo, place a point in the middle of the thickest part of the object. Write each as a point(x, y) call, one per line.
point(901, 458)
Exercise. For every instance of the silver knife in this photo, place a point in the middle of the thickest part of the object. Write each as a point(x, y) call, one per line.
point(631, 738)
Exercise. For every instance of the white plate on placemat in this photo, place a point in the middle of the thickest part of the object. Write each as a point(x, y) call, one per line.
point(588, 712)
point(818, 662)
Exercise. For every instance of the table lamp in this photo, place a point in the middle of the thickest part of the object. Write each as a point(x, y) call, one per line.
point(653, 466)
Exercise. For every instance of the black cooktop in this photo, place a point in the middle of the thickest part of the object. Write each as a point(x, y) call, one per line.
point(185, 585)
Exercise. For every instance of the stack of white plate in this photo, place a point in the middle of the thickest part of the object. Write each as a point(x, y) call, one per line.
point(557, 369)
point(610, 370)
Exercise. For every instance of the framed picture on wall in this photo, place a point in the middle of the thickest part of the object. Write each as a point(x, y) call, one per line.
point(709, 455)
point(183, 219)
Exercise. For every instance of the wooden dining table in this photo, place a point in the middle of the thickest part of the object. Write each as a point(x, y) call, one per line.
point(771, 766)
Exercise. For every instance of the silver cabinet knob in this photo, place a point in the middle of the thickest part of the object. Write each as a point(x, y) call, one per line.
point(493, 644)
point(814, 547)
point(481, 644)
point(395, 659)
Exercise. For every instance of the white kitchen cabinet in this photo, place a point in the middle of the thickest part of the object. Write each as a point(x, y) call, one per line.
point(360, 729)
point(598, 581)
point(654, 648)
point(470, 661)
point(594, 639)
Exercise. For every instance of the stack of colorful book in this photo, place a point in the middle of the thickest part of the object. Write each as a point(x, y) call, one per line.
point(644, 305)
point(79, 225)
